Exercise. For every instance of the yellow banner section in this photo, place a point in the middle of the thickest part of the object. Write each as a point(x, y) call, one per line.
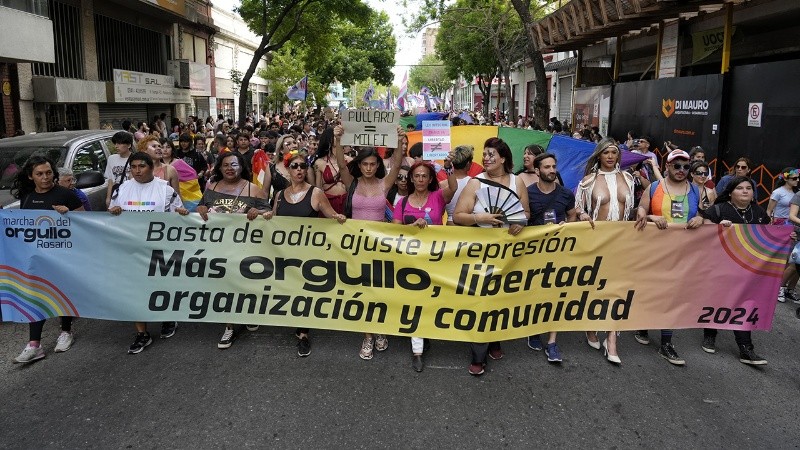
point(455, 283)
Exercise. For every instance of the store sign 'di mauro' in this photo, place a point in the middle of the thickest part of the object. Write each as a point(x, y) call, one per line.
point(140, 87)
point(670, 106)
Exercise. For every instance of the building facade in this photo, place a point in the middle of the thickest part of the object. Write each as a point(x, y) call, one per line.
point(117, 60)
point(233, 49)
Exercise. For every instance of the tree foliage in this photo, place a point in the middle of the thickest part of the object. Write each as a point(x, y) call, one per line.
point(429, 72)
point(315, 29)
point(426, 12)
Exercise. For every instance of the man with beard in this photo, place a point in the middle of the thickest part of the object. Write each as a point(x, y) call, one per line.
point(550, 203)
point(672, 200)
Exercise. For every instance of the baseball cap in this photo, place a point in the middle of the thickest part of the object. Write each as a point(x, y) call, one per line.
point(676, 154)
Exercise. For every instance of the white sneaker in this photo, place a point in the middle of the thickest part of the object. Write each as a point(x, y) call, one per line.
point(252, 327)
point(65, 340)
point(782, 294)
point(29, 354)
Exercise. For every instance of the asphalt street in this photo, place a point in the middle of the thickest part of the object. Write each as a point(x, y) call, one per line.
point(185, 393)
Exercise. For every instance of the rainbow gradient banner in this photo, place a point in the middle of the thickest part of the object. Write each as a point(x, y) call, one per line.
point(453, 283)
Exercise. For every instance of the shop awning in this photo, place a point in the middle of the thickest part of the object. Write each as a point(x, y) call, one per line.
point(580, 23)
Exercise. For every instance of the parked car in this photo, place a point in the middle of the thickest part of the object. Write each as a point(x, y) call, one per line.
point(85, 152)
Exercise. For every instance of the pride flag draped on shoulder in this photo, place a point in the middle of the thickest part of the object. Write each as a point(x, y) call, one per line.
point(299, 90)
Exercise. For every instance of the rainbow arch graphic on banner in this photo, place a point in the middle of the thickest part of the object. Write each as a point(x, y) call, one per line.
point(45, 220)
point(33, 297)
point(752, 248)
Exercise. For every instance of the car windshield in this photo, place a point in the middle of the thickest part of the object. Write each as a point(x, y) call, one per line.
point(13, 158)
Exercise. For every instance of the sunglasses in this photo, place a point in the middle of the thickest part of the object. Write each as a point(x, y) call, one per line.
point(405, 177)
point(793, 178)
point(701, 174)
point(742, 167)
point(684, 167)
point(303, 166)
point(352, 154)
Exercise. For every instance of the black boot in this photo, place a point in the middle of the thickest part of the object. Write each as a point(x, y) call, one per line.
point(748, 356)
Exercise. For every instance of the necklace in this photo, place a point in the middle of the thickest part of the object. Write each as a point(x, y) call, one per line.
point(416, 197)
point(533, 172)
point(228, 188)
point(743, 212)
point(296, 196)
point(666, 191)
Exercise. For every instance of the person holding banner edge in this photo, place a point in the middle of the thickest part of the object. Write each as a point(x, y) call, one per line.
point(499, 176)
point(230, 191)
point(367, 182)
point(146, 193)
point(607, 194)
point(424, 206)
point(550, 203)
point(301, 199)
point(672, 200)
point(36, 186)
point(736, 205)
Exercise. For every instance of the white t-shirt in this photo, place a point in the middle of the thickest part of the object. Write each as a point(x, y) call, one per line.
point(155, 196)
point(114, 168)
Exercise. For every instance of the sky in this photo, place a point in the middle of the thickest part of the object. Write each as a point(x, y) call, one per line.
point(409, 48)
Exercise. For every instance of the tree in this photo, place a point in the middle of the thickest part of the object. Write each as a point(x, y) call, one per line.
point(433, 11)
point(429, 72)
point(304, 22)
point(464, 49)
point(540, 100)
point(283, 71)
point(361, 52)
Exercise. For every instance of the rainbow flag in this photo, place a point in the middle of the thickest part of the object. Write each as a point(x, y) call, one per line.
point(190, 188)
point(260, 168)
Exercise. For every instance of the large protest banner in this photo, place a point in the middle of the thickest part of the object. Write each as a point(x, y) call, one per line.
point(454, 283)
point(368, 127)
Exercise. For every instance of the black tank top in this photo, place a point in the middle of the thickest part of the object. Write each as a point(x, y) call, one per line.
point(302, 208)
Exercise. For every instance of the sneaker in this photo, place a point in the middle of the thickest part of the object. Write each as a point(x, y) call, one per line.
point(789, 295)
point(782, 294)
point(553, 353)
point(252, 327)
point(381, 342)
point(667, 351)
point(642, 337)
point(142, 340)
point(303, 346)
point(708, 344)
point(168, 329)
point(29, 354)
point(227, 338)
point(534, 343)
point(748, 356)
point(366, 349)
point(64, 342)
point(496, 353)
point(476, 369)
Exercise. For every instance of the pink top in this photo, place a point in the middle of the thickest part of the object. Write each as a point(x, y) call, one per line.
point(369, 208)
point(432, 212)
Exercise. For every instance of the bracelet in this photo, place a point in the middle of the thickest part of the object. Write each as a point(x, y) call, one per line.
point(475, 218)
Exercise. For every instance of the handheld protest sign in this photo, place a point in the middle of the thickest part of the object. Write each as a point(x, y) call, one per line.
point(371, 128)
point(435, 139)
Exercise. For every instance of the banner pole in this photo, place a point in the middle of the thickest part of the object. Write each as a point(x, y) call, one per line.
point(726, 46)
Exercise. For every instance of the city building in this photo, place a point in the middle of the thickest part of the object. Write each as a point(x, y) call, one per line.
point(26, 32)
point(112, 60)
point(233, 49)
point(429, 41)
